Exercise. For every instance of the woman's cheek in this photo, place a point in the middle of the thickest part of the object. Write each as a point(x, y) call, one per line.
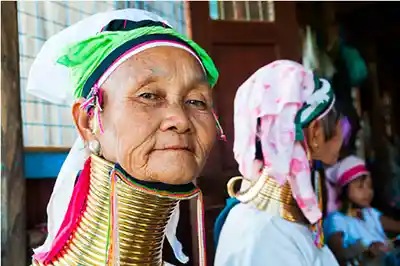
point(209, 126)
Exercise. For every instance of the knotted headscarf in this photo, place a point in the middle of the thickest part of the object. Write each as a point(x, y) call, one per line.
point(285, 97)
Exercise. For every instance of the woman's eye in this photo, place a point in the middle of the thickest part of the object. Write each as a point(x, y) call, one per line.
point(148, 96)
point(197, 104)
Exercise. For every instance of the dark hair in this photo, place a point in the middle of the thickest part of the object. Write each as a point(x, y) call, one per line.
point(344, 198)
point(329, 122)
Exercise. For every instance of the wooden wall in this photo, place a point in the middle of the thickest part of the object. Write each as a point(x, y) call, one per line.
point(13, 233)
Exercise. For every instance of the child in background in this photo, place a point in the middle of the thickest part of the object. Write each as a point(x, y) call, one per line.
point(356, 231)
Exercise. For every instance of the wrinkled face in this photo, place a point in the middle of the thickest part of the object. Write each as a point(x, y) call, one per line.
point(157, 117)
point(322, 149)
point(360, 191)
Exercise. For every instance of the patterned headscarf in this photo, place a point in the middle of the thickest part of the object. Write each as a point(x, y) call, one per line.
point(285, 97)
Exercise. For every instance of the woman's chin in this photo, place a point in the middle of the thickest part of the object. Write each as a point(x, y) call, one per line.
point(173, 168)
point(177, 174)
point(331, 161)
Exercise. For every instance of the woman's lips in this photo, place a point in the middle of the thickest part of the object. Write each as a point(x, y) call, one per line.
point(176, 148)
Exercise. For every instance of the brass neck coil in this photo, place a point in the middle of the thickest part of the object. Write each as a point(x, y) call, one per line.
point(142, 221)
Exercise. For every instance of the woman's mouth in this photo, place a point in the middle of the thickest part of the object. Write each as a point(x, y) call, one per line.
point(176, 148)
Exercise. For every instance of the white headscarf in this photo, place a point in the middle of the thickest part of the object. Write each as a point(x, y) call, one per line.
point(51, 82)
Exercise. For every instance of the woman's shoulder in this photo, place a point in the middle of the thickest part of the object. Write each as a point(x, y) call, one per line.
point(244, 216)
point(245, 219)
point(251, 237)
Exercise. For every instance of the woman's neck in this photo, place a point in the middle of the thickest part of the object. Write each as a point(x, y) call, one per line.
point(275, 199)
point(142, 216)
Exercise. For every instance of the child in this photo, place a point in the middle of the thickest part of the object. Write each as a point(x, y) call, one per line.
point(356, 231)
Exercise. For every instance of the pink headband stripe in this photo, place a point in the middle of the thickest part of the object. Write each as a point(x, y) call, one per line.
point(141, 47)
point(352, 174)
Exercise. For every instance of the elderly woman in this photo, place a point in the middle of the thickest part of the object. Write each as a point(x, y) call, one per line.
point(284, 118)
point(143, 108)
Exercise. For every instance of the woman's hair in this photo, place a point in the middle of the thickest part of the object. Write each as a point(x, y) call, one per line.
point(329, 123)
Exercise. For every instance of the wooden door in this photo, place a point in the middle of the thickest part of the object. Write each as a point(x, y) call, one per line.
point(253, 34)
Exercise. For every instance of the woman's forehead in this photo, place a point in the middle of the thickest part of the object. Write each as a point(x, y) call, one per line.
point(164, 62)
point(166, 56)
point(160, 64)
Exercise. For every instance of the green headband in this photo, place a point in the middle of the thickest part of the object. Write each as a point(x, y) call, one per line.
point(84, 57)
point(318, 104)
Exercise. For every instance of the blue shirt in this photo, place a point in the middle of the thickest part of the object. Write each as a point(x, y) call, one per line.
point(368, 230)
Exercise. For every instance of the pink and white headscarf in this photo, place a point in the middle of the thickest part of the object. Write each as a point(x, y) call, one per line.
point(275, 94)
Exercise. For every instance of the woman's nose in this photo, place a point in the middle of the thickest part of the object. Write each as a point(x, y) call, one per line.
point(176, 118)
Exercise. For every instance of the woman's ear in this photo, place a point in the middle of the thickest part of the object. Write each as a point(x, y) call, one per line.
point(315, 136)
point(82, 121)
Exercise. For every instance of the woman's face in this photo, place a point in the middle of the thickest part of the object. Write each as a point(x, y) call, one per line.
point(360, 191)
point(326, 151)
point(157, 117)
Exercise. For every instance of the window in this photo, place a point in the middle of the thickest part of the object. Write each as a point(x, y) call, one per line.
point(242, 10)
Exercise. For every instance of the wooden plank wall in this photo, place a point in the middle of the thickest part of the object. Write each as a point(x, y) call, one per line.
point(13, 215)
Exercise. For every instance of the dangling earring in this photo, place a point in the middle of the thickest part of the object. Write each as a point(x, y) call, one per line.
point(219, 127)
point(95, 147)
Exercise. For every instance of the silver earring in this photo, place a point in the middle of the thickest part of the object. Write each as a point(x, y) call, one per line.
point(94, 147)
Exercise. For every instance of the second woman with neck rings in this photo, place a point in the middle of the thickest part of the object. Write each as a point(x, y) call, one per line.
point(276, 218)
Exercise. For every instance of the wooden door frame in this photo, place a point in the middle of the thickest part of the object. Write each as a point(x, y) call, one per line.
point(13, 226)
point(202, 34)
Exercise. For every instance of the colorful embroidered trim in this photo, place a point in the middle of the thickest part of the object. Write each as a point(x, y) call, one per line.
point(73, 214)
point(201, 231)
point(316, 228)
point(140, 187)
point(93, 105)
